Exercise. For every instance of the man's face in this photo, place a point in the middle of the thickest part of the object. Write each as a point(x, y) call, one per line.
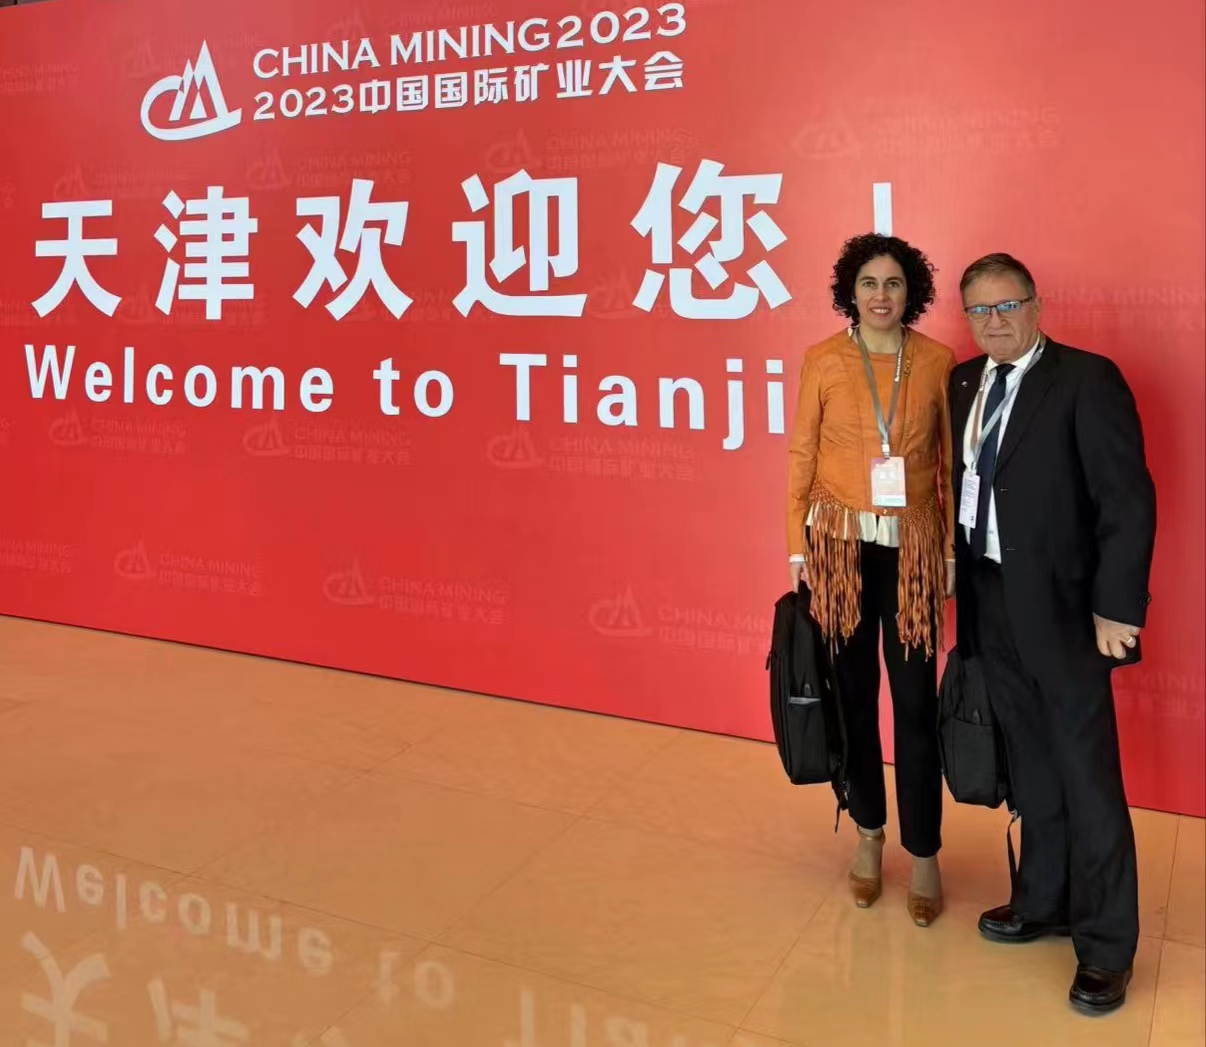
point(1004, 336)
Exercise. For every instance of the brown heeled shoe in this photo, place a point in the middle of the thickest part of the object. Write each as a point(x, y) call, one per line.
point(866, 892)
point(925, 908)
point(867, 889)
point(924, 911)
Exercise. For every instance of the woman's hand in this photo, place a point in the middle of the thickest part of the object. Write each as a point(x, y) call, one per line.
point(950, 578)
point(798, 572)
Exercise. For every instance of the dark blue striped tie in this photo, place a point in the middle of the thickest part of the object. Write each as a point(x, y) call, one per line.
point(987, 466)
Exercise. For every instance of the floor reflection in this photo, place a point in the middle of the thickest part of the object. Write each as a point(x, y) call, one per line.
point(209, 850)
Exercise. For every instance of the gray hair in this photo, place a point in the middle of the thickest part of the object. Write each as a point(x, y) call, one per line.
point(997, 265)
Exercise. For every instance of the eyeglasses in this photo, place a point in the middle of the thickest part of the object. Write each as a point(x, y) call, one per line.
point(982, 312)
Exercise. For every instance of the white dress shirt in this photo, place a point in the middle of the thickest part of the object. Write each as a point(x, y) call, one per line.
point(975, 421)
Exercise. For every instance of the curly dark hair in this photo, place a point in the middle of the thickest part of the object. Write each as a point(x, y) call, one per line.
point(859, 250)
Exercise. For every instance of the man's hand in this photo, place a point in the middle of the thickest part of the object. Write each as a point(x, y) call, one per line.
point(950, 578)
point(798, 571)
point(1114, 639)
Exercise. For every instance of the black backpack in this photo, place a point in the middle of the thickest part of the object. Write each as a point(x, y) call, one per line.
point(970, 744)
point(806, 714)
point(971, 747)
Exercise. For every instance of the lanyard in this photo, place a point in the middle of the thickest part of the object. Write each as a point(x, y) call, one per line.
point(1006, 400)
point(885, 427)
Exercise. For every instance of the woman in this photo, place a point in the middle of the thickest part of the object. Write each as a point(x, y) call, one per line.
point(870, 530)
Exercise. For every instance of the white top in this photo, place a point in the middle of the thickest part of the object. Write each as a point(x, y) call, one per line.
point(871, 527)
point(1012, 381)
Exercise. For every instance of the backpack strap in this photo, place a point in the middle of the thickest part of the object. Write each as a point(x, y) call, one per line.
point(799, 640)
point(842, 788)
point(1015, 814)
point(1013, 861)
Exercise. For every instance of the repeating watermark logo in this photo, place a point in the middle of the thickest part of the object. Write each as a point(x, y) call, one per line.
point(1133, 309)
point(1147, 694)
point(141, 310)
point(115, 434)
point(612, 295)
point(136, 60)
point(389, 167)
point(190, 572)
point(623, 616)
point(618, 616)
point(447, 600)
point(826, 136)
point(17, 313)
point(928, 126)
point(329, 442)
point(347, 588)
point(571, 152)
point(119, 182)
point(37, 555)
point(514, 450)
point(42, 79)
point(600, 457)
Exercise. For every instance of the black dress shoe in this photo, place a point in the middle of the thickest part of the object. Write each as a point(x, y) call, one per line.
point(1097, 992)
point(1007, 927)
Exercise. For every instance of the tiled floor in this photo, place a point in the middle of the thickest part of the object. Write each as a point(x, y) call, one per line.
point(213, 850)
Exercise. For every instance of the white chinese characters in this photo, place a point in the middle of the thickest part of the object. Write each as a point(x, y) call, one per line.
point(183, 1025)
point(75, 252)
point(508, 258)
point(489, 86)
point(656, 221)
point(65, 991)
point(350, 238)
point(222, 230)
point(358, 239)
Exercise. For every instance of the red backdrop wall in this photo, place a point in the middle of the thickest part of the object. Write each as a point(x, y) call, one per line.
point(623, 568)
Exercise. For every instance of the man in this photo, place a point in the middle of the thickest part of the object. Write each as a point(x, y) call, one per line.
point(1053, 553)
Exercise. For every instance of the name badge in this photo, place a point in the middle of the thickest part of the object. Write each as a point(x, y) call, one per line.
point(969, 499)
point(888, 483)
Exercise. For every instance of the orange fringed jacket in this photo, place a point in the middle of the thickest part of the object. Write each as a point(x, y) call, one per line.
point(833, 441)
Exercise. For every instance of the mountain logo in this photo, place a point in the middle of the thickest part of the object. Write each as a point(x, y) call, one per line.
point(619, 616)
point(134, 564)
point(208, 114)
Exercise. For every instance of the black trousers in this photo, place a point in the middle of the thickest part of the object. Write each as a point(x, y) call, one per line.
point(1078, 862)
point(913, 681)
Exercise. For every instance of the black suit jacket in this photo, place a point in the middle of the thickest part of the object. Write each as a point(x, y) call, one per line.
point(1076, 506)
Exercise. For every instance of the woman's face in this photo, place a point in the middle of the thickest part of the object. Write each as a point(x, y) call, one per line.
point(880, 293)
